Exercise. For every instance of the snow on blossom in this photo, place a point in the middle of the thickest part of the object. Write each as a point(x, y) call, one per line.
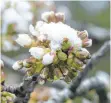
point(37, 52)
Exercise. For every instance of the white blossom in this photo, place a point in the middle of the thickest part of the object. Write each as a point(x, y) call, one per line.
point(45, 16)
point(17, 65)
point(24, 40)
point(58, 31)
point(55, 46)
point(33, 31)
point(42, 37)
point(37, 52)
point(39, 24)
point(47, 59)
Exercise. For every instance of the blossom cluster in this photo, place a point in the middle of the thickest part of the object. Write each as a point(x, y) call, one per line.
point(57, 50)
point(6, 97)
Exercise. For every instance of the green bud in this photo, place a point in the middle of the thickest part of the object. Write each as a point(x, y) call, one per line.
point(64, 71)
point(62, 56)
point(9, 98)
point(78, 62)
point(57, 73)
point(3, 100)
point(66, 45)
point(56, 60)
point(70, 59)
point(4, 93)
point(82, 54)
point(39, 66)
point(26, 64)
point(82, 34)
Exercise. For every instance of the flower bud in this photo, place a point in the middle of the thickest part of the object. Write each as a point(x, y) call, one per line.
point(56, 60)
point(70, 59)
point(26, 64)
point(64, 71)
point(48, 16)
point(38, 66)
point(24, 40)
point(82, 54)
point(17, 65)
point(47, 59)
point(87, 42)
point(82, 34)
point(66, 45)
point(57, 74)
point(37, 52)
point(31, 60)
point(78, 62)
point(61, 55)
point(3, 100)
point(60, 17)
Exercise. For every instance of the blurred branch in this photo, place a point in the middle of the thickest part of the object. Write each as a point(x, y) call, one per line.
point(23, 91)
point(71, 91)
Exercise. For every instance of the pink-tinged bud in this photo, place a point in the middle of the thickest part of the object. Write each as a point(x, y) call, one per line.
point(82, 34)
point(82, 54)
point(87, 42)
point(60, 17)
point(48, 16)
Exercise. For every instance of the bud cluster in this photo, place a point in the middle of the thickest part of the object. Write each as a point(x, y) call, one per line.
point(57, 50)
point(6, 97)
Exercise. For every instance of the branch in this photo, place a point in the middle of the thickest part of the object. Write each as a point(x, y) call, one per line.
point(71, 91)
point(23, 91)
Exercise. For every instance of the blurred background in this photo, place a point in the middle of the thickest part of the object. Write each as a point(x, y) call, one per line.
point(16, 16)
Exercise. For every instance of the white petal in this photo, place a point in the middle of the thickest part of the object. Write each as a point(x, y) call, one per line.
point(39, 24)
point(42, 37)
point(16, 66)
point(90, 43)
point(33, 31)
point(47, 59)
point(37, 52)
point(45, 16)
point(54, 45)
point(24, 40)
